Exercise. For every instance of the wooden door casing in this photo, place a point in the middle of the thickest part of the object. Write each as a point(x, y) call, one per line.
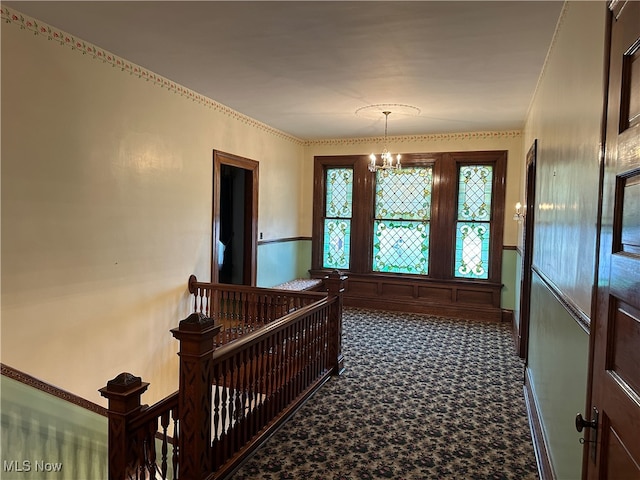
point(527, 252)
point(250, 242)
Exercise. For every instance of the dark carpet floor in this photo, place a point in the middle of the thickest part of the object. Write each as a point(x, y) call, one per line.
point(422, 397)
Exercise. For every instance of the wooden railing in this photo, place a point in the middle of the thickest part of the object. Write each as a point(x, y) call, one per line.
point(231, 397)
point(241, 309)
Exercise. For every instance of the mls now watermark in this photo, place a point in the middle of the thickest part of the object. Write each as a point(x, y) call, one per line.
point(31, 466)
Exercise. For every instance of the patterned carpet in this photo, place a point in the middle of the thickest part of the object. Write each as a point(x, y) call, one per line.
point(422, 397)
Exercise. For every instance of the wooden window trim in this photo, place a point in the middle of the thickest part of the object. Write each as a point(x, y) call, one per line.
point(443, 219)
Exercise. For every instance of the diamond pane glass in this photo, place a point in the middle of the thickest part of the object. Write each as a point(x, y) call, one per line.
point(472, 250)
point(339, 192)
point(337, 241)
point(401, 247)
point(404, 194)
point(474, 192)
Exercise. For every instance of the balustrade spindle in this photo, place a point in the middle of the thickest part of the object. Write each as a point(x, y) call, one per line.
point(164, 423)
point(223, 408)
point(175, 459)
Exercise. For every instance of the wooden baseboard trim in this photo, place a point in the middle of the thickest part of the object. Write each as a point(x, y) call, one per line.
point(545, 467)
point(33, 382)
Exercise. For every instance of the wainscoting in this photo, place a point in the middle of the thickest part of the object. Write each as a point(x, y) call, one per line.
point(452, 298)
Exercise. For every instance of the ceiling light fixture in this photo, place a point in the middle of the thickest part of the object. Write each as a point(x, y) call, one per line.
point(388, 161)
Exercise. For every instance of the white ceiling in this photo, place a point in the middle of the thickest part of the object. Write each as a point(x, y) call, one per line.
point(305, 67)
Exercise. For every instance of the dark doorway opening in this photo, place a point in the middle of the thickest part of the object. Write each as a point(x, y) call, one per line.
point(235, 219)
point(231, 240)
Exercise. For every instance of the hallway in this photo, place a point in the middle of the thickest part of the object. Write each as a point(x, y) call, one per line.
point(435, 399)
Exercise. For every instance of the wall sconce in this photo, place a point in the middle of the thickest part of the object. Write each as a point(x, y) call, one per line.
point(519, 215)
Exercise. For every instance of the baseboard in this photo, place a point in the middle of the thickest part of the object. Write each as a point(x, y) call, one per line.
point(545, 467)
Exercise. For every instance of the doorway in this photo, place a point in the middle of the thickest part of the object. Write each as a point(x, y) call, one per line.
point(235, 219)
point(522, 338)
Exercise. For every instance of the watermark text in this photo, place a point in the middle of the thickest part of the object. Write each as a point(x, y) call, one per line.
point(25, 466)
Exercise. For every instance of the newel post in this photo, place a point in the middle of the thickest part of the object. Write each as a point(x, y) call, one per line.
point(195, 334)
point(123, 393)
point(335, 283)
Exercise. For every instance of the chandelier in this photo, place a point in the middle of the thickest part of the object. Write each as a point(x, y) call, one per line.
point(388, 160)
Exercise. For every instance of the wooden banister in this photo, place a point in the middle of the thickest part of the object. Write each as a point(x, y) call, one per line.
point(242, 309)
point(231, 397)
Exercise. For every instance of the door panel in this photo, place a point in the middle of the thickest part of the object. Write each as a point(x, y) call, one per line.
point(619, 459)
point(625, 336)
point(615, 388)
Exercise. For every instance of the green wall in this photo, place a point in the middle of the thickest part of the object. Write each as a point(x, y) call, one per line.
point(510, 261)
point(279, 262)
point(40, 429)
point(557, 367)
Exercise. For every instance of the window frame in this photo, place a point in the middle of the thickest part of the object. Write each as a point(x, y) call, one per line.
point(375, 218)
point(443, 211)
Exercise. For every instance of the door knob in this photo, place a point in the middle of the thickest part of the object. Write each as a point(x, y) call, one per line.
point(593, 437)
point(582, 423)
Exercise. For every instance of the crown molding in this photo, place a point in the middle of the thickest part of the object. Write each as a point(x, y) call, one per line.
point(434, 137)
point(15, 18)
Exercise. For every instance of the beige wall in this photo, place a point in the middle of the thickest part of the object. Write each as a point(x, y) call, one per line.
point(106, 211)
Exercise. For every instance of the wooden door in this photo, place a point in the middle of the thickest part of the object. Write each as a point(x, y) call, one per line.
point(613, 450)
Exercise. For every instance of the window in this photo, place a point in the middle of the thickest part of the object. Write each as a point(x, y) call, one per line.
point(474, 221)
point(337, 218)
point(401, 223)
point(440, 217)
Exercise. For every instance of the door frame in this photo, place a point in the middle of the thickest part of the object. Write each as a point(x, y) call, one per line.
point(527, 251)
point(250, 244)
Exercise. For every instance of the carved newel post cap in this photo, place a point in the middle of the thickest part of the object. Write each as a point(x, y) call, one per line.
point(123, 382)
point(196, 322)
point(124, 392)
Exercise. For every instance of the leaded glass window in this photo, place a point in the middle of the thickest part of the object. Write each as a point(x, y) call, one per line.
point(430, 223)
point(401, 223)
point(473, 221)
point(337, 218)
